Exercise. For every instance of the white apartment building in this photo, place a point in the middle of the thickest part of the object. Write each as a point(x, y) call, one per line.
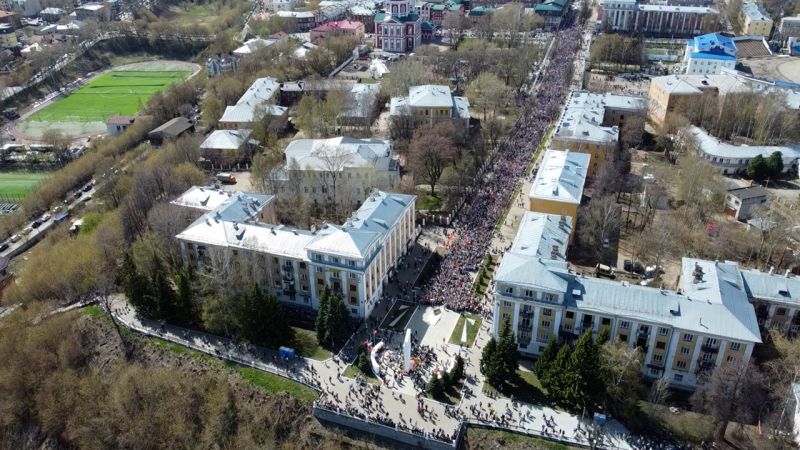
point(708, 323)
point(237, 231)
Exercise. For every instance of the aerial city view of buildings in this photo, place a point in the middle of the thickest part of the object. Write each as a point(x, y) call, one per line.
point(430, 223)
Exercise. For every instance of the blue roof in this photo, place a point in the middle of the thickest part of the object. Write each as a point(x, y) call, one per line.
point(712, 55)
point(714, 40)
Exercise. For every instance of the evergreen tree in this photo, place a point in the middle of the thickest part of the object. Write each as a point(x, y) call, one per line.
point(280, 332)
point(457, 372)
point(775, 164)
point(488, 361)
point(507, 352)
point(338, 321)
point(134, 285)
point(362, 360)
point(161, 291)
point(321, 323)
point(758, 168)
point(584, 366)
point(604, 336)
point(546, 358)
point(557, 378)
point(184, 298)
point(436, 387)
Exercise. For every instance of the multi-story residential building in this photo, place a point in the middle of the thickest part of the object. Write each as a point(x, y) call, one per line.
point(255, 104)
point(628, 16)
point(218, 64)
point(709, 54)
point(558, 186)
point(93, 12)
point(302, 21)
point(741, 202)
point(596, 124)
point(552, 12)
point(682, 335)
point(754, 19)
point(671, 92)
point(237, 232)
point(337, 28)
point(731, 159)
point(776, 299)
point(789, 27)
point(399, 27)
point(358, 165)
point(429, 104)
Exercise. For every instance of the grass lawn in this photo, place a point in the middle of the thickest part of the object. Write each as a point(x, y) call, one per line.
point(93, 311)
point(113, 93)
point(686, 426)
point(429, 202)
point(525, 387)
point(352, 372)
point(472, 330)
point(273, 383)
point(506, 439)
point(305, 342)
point(16, 185)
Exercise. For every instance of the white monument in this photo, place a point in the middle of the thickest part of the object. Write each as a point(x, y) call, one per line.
point(407, 350)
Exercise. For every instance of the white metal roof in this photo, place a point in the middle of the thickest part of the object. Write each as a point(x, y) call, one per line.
point(712, 146)
point(543, 235)
point(561, 176)
point(339, 153)
point(225, 140)
point(582, 118)
point(254, 102)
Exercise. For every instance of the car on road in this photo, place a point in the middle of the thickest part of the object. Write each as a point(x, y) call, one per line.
point(45, 217)
point(86, 199)
point(78, 195)
point(87, 188)
point(4, 246)
point(15, 238)
point(36, 223)
point(28, 230)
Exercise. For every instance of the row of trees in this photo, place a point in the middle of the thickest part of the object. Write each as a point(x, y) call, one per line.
point(499, 359)
point(616, 49)
point(761, 168)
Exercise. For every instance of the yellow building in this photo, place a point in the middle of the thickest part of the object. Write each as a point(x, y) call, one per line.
point(595, 124)
point(558, 186)
point(426, 105)
point(755, 20)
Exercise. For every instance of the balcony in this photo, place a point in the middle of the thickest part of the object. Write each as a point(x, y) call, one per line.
point(709, 348)
point(704, 365)
point(655, 365)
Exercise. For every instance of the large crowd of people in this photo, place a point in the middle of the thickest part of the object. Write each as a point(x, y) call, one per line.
point(473, 230)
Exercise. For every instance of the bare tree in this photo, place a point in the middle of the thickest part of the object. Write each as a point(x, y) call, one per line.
point(732, 393)
point(431, 152)
point(599, 221)
point(334, 159)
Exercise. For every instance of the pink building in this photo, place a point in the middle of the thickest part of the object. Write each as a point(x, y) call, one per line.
point(399, 27)
point(337, 28)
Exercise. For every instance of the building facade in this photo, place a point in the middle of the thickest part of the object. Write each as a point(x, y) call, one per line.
point(628, 16)
point(257, 102)
point(358, 165)
point(426, 105)
point(741, 202)
point(683, 336)
point(732, 159)
point(399, 27)
point(337, 28)
point(558, 186)
point(776, 299)
point(597, 123)
point(709, 54)
point(789, 27)
point(355, 259)
point(219, 64)
point(755, 20)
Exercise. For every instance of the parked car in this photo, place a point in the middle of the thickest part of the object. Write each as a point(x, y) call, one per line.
point(4, 246)
point(15, 238)
point(45, 217)
point(602, 270)
point(78, 195)
point(88, 187)
point(36, 223)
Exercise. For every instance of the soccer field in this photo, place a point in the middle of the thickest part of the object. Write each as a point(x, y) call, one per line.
point(16, 185)
point(118, 92)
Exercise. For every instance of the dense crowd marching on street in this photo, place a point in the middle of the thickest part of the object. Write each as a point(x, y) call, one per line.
point(472, 231)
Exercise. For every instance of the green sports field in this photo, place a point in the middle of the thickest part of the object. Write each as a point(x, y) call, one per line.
point(119, 92)
point(16, 185)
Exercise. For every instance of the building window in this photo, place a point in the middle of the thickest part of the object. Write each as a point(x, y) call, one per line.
point(731, 359)
point(780, 312)
point(688, 337)
point(678, 377)
point(658, 358)
point(684, 350)
point(547, 312)
point(570, 315)
point(660, 345)
point(509, 290)
point(681, 365)
point(528, 293)
point(735, 346)
point(711, 342)
point(707, 356)
point(508, 304)
point(545, 324)
point(663, 331)
point(625, 324)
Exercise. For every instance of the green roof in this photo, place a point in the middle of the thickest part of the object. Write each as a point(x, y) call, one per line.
point(380, 16)
point(438, 7)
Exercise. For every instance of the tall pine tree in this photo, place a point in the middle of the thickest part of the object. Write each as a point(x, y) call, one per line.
point(507, 352)
point(338, 322)
point(584, 365)
point(321, 324)
point(488, 363)
point(546, 358)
